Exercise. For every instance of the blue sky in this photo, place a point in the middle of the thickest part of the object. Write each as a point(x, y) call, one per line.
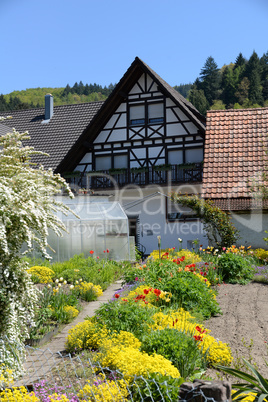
point(49, 43)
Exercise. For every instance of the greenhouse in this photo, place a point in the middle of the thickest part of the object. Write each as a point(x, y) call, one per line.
point(102, 230)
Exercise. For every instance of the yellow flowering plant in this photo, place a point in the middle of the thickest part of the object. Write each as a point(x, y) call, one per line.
point(6, 376)
point(40, 274)
point(131, 362)
point(148, 295)
point(254, 385)
point(215, 352)
point(71, 311)
point(172, 253)
point(18, 394)
point(105, 391)
point(86, 335)
point(87, 291)
point(261, 254)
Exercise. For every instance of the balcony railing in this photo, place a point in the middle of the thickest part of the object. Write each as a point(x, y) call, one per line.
point(139, 176)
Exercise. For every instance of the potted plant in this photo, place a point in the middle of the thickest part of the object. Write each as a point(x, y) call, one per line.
point(83, 191)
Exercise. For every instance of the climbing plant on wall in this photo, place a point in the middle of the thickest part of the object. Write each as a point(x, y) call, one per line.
point(217, 224)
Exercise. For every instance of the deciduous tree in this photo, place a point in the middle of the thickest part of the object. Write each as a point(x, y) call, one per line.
point(27, 212)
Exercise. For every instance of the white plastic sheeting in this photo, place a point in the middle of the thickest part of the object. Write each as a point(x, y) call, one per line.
point(102, 228)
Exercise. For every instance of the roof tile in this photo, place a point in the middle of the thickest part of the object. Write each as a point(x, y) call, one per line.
point(235, 153)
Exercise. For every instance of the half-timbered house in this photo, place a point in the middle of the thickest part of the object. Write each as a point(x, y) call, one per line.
point(143, 142)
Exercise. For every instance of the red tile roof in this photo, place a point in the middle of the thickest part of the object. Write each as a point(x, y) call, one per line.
point(234, 154)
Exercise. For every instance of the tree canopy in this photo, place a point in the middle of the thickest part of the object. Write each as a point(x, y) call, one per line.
point(27, 211)
point(242, 84)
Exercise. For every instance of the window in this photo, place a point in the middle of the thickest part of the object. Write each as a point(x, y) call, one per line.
point(137, 115)
point(178, 212)
point(194, 155)
point(120, 161)
point(152, 113)
point(175, 157)
point(156, 113)
point(103, 162)
point(108, 162)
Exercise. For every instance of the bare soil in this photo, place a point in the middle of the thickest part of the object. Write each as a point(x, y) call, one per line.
point(244, 322)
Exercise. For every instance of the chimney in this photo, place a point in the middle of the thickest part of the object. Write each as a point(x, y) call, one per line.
point(48, 107)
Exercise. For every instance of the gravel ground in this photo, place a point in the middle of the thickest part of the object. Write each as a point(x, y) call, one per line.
point(245, 316)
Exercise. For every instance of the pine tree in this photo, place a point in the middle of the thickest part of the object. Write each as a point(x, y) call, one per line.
point(242, 91)
point(264, 75)
point(66, 90)
point(240, 61)
point(198, 99)
point(210, 80)
point(75, 88)
point(80, 89)
point(86, 90)
point(253, 72)
point(230, 81)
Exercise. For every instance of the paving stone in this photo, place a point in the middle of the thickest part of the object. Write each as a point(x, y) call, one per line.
point(39, 362)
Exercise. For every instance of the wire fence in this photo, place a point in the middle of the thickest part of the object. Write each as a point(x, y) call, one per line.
point(78, 378)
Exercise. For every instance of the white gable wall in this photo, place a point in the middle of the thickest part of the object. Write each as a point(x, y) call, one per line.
point(148, 136)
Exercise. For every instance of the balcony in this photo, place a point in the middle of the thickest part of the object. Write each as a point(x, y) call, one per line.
point(161, 175)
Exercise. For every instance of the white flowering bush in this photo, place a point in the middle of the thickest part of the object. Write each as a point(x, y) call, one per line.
point(27, 211)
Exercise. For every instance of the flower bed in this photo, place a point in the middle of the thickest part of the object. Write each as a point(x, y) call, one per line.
point(62, 289)
point(151, 332)
point(145, 329)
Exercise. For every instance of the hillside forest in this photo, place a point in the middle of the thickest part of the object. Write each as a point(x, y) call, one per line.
point(242, 84)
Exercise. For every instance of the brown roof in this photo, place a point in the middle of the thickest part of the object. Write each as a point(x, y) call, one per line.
point(234, 154)
point(240, 204)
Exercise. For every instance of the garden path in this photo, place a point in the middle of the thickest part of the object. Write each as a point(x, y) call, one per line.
point(39, 362)
point(245, 315)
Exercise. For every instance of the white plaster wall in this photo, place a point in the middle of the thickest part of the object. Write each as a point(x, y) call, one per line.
point(252, 228)
point(87, 158)
point(176, 129)
point(139, 153)
point(154, 152)
point(153, 223)
point(118, 135)
point(112, 121)
point(152, 216)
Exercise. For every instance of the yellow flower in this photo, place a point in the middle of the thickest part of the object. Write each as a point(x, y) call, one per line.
point(44, 274)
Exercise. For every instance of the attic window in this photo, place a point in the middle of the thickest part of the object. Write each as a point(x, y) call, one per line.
point(156, 113)
point(152, 113)
point(137, 115)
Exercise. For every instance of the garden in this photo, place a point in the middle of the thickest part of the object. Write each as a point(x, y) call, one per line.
point(153, 329)
point(145, 342)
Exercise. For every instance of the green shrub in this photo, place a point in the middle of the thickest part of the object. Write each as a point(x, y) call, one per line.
point(188, 290)
point(235, 269)
point(125, 316)
point(178, 347)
